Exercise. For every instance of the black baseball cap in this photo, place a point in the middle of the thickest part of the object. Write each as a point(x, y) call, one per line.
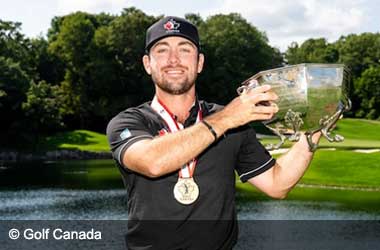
point(171, 26)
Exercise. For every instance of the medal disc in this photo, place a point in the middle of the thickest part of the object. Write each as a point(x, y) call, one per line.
point(186, 191)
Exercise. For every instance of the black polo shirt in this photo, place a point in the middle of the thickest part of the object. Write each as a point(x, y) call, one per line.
point(156, 219)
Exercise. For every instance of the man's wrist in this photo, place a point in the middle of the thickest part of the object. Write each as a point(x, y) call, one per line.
point(218, 124)
point(211, 129)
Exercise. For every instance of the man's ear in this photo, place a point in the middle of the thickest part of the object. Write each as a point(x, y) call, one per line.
point(146, 62)
point(201, 60)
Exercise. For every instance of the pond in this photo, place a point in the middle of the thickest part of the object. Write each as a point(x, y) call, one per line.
point(93, 190)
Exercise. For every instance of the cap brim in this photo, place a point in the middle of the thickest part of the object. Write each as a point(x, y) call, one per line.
point(151, 44)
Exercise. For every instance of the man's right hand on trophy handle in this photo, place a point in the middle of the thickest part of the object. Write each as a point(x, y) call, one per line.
point(258, 95)
point(246, 107)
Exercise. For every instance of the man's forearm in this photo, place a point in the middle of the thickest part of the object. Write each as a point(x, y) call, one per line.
point(292, 166)
point(170, 152)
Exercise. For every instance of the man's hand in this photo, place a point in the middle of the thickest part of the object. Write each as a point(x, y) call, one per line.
point(246, 108)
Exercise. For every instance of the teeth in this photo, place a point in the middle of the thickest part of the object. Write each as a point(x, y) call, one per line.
point(174, 72)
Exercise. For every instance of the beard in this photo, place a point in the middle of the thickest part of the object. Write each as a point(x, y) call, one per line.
point(174, 87)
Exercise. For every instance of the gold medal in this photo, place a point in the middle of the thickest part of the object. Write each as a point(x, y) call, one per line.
point(186, 191)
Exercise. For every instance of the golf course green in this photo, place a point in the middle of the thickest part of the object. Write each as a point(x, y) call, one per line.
point(337, 173)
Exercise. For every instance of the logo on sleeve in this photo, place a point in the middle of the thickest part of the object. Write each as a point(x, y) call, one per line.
point(125, 134)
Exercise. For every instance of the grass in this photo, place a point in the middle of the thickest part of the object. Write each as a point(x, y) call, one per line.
point(339, 168)
point(76, 140)
point(358, 133)
point(359, 129)
point(344, 168)
point(348, 199)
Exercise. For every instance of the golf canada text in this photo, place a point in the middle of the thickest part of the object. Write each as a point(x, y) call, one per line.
point(60, 234)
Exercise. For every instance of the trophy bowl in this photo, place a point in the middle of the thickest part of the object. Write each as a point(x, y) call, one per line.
point(312, 98)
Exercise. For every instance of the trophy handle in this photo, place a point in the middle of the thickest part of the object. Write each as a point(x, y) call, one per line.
point(294, 121)
point(282, 137)
point(247, 85)
point(327, 124)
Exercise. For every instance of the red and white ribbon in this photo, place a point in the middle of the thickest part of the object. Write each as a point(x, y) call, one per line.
point(186, 170)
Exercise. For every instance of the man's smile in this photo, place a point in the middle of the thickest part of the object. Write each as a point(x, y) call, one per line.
point(174, 72)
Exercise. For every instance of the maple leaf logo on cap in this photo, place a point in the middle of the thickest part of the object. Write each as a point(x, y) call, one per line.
point(171, 25)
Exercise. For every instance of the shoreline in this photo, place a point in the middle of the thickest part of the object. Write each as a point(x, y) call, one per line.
point(62, 154)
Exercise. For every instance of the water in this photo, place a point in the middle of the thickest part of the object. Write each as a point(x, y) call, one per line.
point(93, 190)
point(75, 204)
point(82, 195)
point(63, 204)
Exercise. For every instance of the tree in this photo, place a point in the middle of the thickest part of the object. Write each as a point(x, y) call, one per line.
point(14, 45)
point(359, 52)
point(367, 88)
point(48, 67)
point(234, 50)
point(312, 51)
point(102, 55)
point(120, 76)
point(16, 71)
point(73, 44)
point(44, 108)
point(14, 82)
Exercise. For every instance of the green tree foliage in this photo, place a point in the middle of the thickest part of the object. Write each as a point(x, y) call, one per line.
point(234, 50)
point(359, 52)
point(16, 71)
point(14, 82)
point(102, 59)
point(89, 68)
point(14, 45)
point(48, 66)
point(43, 107)
point(312, 51)
point(368, 90)
point(102, 55)
point(22, 61)
point(122, 81)
point(74, 45)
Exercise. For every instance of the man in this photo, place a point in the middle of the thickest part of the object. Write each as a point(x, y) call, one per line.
point(178, 155)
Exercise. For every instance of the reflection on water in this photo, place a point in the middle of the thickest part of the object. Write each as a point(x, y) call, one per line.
point(93, 190)
point(300, 210)
point(86, 174)
point(61, 204)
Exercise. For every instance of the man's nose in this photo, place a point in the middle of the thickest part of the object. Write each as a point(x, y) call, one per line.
point(173, 57)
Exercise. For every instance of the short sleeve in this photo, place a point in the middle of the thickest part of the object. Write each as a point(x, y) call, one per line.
point(125, 129)
point(253, 158)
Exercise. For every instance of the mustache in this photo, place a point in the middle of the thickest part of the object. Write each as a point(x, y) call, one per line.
point(175, 67)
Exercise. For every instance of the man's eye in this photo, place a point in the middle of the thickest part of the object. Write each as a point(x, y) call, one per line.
point(187, 50)
point(162, 50)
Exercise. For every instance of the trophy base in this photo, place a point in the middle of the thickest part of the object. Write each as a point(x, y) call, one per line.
point(294, 121)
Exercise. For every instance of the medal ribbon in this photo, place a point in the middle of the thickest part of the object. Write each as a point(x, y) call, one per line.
point(186, 170)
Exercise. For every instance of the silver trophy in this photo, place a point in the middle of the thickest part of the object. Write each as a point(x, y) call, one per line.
point(312, 97)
